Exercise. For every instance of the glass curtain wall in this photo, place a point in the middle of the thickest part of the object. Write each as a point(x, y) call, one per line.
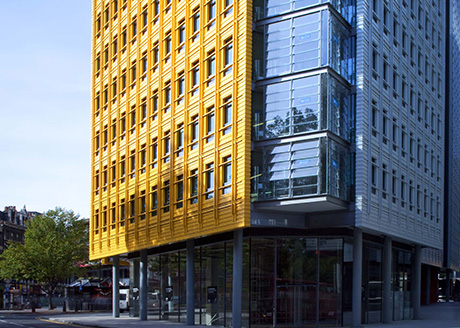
point(402, 281)
point(298, 106)
point(270, 8)
point(303, 168)
point(372, 284)
point(287, 282)
point(303, 43)
point(296, 282)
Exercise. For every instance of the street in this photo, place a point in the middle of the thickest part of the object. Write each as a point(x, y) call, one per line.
point(29, 320)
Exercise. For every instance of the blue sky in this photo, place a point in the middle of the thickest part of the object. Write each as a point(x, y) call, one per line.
point(45, 87)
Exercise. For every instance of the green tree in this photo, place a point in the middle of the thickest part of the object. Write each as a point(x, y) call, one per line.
point(54, 244)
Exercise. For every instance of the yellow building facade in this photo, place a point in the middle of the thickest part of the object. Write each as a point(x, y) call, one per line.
point(171, 119)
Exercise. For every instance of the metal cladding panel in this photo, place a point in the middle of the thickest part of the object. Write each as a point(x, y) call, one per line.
point(399, 120)
point(171, 110)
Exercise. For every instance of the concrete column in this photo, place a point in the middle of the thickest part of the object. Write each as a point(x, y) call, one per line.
point(190, 282)
point(428, 285)
point(116, 287)
point(237, 278)
point(357, 276)
point(143, 286)
point(134, 289)
point(387, 291)
point(416, 286)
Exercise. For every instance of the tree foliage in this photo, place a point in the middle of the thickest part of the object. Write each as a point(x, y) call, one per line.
point(54, 244)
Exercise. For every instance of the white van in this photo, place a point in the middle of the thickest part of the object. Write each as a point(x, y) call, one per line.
point(124, 299)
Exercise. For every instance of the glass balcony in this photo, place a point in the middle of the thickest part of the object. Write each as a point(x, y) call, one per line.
point(310, 104)
point(302, 169)
point(303, 43)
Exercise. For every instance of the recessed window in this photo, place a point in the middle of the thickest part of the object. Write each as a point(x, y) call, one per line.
point(195, 77)
point(228, 57)
point(211, 67)
point(211, 13)
point(179, 191)
point(227, 116)
point(209, 175)
point(166, 146)
point(227, 174)
point(180, 140)
point(193, 186)
point(194, 132)
point(210, 124)
point(154, 153)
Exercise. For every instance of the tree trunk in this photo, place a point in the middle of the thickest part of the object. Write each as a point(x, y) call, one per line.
point(50, 297)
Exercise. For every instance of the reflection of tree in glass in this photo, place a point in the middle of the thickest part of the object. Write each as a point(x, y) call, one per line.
point(295, 122)
point(304, 122)
point(278, 126)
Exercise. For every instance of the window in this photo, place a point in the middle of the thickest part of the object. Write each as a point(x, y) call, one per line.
point(143, 158)
point(156, 54)
point(211, 13)
point(123, 80)
point(180, 140)
point(96, 141)
point(122, 168)
point(132, 209)
point(106, 54)
point(105, 136)
point(113, 173)
point(194, 132)
point(155, 105)
point(145, 18)
point(122, 212)
point(166, 196)
point(113, 214)
point(168, 43)
point(153, 202)
point(114, 89)
point(144, 63)
point(156, 7)
point(132, 164)
point(96, 220)
point(98, 62)
point(105, 95)
point(133, 72)
point(167, 96)
point(227, 116)
point(210, 124)
point(132, 118)
point(154, 153)
point(209, 175)
point(374, 175)
point(134, 28)
point(181, 35)
point(179, 191)
point(196, 24)
point(193, 186)
point(166, 146)
point(228, 7)
point(227, 174)
point(143, 110)
point(96, 180)
point(124, 37)
point(180, 87)
point(122, 126)
point(211, 67)
point(142, 205)
point(195, 77)
point(228, 56)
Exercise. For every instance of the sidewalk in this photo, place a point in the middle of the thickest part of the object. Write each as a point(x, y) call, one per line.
point(439, 315)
